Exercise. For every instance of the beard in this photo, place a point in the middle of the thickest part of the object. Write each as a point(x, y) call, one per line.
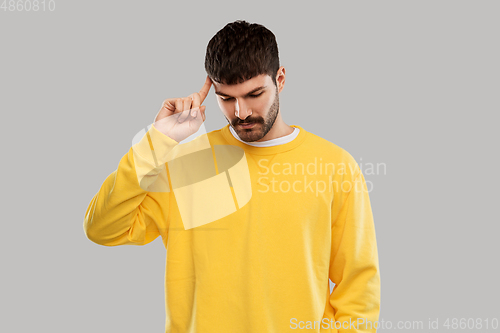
point(262, 125)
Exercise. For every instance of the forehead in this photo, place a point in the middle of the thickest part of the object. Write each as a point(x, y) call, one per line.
point(241, 89)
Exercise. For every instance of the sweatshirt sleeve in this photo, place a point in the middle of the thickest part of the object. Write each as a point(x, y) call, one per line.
point(354, 266)
point(131, 207)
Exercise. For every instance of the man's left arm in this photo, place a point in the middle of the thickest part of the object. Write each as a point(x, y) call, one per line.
point(354, 266)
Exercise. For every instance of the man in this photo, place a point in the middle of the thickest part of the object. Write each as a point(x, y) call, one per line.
point(256, 216)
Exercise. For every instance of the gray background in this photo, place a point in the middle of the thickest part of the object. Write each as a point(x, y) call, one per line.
point(411, 84)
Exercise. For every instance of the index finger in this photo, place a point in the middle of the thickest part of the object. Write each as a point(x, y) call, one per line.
point(205, 89)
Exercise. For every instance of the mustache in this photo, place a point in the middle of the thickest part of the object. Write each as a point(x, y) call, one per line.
point(251, 121)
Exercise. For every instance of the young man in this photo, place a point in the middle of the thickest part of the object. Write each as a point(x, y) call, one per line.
point(256, 216)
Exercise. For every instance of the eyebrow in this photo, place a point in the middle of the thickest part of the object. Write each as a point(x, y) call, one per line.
point(249, 93)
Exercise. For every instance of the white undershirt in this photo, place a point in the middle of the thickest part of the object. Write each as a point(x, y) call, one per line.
point(268, 143)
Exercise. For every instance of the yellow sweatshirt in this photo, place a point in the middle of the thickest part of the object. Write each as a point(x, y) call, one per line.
point(253, 234)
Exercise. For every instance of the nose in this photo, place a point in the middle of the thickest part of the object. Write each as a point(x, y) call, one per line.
point(241, 111)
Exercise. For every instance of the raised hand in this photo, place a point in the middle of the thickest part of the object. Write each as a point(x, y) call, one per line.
point(179, 118)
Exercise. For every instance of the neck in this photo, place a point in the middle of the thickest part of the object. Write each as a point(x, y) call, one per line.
point(278, 130)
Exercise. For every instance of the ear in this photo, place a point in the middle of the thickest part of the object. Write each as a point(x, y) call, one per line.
point(280, 78)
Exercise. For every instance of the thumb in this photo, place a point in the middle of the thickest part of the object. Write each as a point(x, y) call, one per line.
point(161, 114)
point(202, 111)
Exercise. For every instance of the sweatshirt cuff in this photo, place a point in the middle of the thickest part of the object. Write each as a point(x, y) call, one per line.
point(155, 147)
point(150, 155)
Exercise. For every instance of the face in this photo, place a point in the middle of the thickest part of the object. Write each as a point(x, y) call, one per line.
point(250, 107)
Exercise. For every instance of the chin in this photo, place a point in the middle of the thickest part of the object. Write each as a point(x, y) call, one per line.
point(250, 136)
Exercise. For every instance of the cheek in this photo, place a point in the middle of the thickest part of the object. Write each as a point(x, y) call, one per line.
point(220, 104)
point(260, 105)
point(226, 109)
point(263, 105)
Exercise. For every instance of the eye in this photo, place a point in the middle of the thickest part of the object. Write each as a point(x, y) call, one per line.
point(231, 98)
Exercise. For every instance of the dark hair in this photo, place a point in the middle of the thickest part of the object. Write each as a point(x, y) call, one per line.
point(241, 51)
